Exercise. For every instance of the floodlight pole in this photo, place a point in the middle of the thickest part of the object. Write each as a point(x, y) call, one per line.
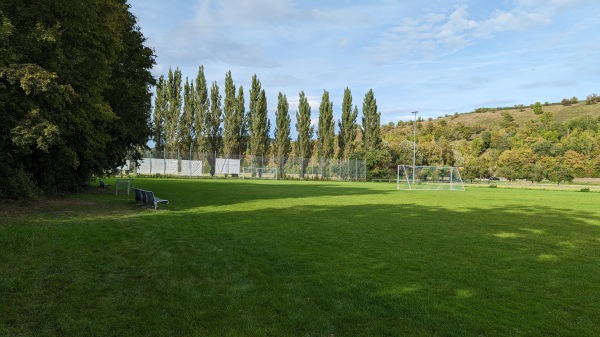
point(414, 146)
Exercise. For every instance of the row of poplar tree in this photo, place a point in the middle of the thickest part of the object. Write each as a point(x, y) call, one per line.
point(194, 118)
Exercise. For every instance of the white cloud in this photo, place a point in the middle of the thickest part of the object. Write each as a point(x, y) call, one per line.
point(436, 33)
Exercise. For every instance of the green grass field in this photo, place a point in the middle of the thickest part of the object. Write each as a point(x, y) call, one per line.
point(250, 258)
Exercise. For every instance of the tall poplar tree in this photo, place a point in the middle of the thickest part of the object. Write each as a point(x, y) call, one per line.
point(370, 121)
point(348, 126)
point(161, 107)
point(172, 116)
point(213, 126)
point(254, 94)
point(230, 125)
point(305, 132)
point(259, 137)
point(325, 131)
point(241, 121)
point(201, 104)
point(258, 123)
point(282, 146)
point(186, 123)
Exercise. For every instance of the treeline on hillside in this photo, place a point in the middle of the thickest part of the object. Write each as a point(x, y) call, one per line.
point(74, 93)
point(193, 117)
point(538, 149)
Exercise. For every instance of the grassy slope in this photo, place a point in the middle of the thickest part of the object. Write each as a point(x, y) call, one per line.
point(303, 259)
point(492, 118)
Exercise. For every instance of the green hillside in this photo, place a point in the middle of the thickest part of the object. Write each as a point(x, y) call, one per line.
point(491, 117)
point(558, 143)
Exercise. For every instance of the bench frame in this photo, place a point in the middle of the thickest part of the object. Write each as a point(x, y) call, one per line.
point(148, 199)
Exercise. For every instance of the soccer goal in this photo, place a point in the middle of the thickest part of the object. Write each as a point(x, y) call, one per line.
point(259, 173)
point(429, 178)
point(124, 185)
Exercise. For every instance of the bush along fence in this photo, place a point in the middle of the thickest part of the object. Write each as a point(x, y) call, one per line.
point(263, 167)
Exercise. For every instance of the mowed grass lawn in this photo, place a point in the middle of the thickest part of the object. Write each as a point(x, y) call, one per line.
point(265, 258)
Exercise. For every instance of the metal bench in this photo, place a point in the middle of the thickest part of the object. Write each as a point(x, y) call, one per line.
point(148, 199)
point(140, 197)
point(103, 185)
point(151, 200)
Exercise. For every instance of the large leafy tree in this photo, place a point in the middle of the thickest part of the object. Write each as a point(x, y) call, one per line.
point(214, 117)
point(305, 132)
point(230, 123)
point(282, 146)
point(325, 131)
point(74, 93)
point(348, 126)
point(371, 123)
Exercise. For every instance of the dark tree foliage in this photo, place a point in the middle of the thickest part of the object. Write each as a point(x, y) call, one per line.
point(370, 122)
point(241, 121)
point(214, 131)
point(172, 116)
point(201, 104)
point(186, 120)
point(305, 132)
point(326, 132)
point(348, 126)
point(282, 145)
point(161, 107)
point(74, 93)
point(258, 121)
point(231, 125)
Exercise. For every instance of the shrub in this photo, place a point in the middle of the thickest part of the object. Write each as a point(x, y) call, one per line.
point(537, 108)
point(586, 189)
point(565, 102)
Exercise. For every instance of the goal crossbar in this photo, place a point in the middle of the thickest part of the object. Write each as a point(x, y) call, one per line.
point(259, 173)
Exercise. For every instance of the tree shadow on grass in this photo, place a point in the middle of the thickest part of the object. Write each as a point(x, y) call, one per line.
point(186, 194)
point(313, 270)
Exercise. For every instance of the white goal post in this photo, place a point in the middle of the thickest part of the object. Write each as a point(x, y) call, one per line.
point(259, 173)
point(430, 178)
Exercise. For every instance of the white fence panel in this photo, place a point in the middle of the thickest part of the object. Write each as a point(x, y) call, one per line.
point(144, 167)
point(171, 166)
point(191, 168)
point(158, 166)
point(227, 166)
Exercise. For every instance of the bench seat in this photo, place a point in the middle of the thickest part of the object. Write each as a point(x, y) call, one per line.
point(148, 199)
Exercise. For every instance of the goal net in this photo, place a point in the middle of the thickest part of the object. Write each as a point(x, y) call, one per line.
point(429, 178)
point(124, 185)
point(259, 173)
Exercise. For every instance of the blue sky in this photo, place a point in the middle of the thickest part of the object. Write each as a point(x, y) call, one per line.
point(438, 57)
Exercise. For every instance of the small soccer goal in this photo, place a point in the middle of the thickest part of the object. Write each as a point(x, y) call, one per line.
point(123, 185)
point(259, 173)
point(429, 178)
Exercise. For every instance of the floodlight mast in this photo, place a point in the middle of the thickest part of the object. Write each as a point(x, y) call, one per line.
point(414, 146)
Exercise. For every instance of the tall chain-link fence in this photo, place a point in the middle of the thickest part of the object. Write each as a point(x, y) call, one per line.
point(193, 164)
